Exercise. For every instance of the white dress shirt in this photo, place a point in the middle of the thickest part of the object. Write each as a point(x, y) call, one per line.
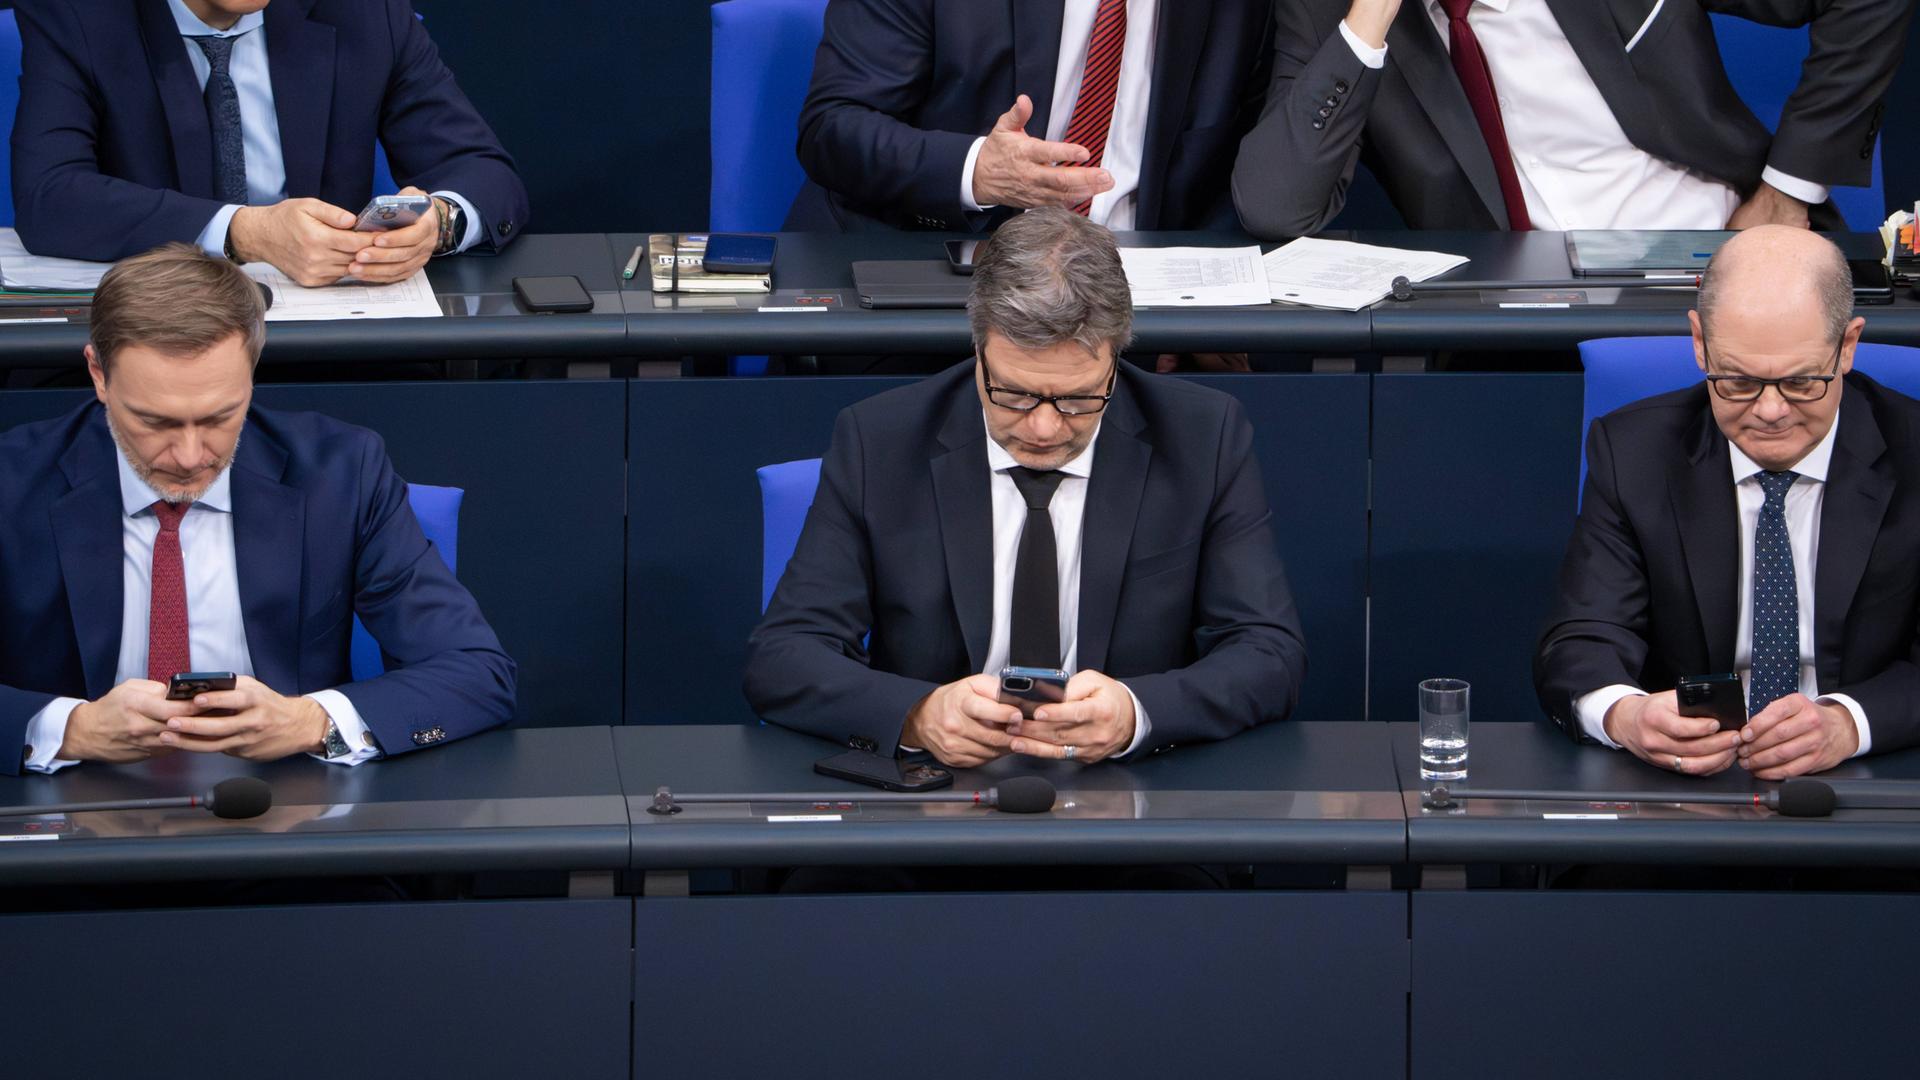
point(1068, 510)
point(1804, 500)
point(259, 124)
point(216, 628)
point(1127, 136)
point(1577, 168)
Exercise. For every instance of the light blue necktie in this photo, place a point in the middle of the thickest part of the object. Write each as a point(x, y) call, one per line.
point(223, 116)
point(1776, 600)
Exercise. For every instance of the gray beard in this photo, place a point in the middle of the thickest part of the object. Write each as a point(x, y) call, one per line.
point(145, 472)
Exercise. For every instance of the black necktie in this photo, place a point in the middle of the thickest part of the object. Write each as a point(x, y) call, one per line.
point(1034, 640)
point(223, 116)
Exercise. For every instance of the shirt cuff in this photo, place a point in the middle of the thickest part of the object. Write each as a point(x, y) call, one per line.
point(47, 733)
point(1367, 54)
point(472, 220)
point(1592, 708)
point(1805, 190)
point(361, 747)
point(213, 238)
point(966, 176)
point(1142, 725)
point(1859, 718)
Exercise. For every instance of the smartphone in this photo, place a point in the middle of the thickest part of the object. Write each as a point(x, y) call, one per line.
point(1718, 696)
point(1872, 281)
point(1032, 687)
point(738, 253)
point(185, 684)
point(886, 773)
point(960, 255)
point(552, 293)
point(393, 212)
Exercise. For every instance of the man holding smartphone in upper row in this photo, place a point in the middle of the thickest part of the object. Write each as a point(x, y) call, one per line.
point(248, 128)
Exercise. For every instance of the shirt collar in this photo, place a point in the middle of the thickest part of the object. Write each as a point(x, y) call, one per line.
point(1813, 466)
point(999, 460)
point(1499, 6)
point(191, 26)
point(137, 496)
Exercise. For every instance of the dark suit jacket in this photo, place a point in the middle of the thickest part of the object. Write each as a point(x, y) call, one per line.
point(321, 531)
point(1182, 595)
point(1649, 590)
point(901, 88)
point(1411, 124)
point(112, 153)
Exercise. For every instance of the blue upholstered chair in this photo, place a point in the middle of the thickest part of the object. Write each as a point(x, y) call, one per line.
point(1625, 369)
point(9, 101)
point(786, 493)
point(762, 61)
point(438, 509)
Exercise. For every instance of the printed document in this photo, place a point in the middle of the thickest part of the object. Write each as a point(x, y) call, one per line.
point(1344, 275)
point(1195, 276)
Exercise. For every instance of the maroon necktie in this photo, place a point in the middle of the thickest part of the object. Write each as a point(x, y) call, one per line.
point(1476, 78)
point(168, 650)
point(1093, 111)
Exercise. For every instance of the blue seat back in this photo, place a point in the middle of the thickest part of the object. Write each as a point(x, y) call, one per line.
point(762, 62)
point(9, 102)
point(1763, 63)
point(786, 493)
point(438, 509)
point(1625, 369)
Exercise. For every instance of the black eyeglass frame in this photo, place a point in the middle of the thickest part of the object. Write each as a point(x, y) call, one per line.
point(1099, 400)
point(1718, 381)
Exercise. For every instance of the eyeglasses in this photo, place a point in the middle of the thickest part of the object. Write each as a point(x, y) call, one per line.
point(1065, 405)
point(1796, 388)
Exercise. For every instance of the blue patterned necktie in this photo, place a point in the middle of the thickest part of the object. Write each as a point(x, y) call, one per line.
point(1776, 600)
point(223, 115)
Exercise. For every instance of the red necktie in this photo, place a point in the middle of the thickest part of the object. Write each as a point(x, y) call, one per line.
point(1093, 111)
point(168, 650)
point(1476, 78)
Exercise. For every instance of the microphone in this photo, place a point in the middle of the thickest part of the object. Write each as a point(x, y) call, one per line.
point(1795, 798)
point(1404, 289)
point(234, 798)
point(1015, 795)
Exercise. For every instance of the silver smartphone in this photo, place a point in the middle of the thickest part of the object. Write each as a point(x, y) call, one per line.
point(393, 212)
point(1031, 687)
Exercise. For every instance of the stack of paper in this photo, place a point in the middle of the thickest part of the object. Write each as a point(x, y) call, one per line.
point(21, 270)
point(1195, 276)
point(1344, 275)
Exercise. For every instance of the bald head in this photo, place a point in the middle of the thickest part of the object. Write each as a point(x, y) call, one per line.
point(1780, 280)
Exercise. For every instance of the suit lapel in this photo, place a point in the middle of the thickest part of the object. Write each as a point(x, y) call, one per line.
point(1036, 57)
point(300, 62)
point(1858, 493)
point(966, 519)
point(1181, 35)
point(1594, 33)
point(1708, 516)
point(1114, 493)
point(269, 531)
point(180, 99)
point(88, 531)
point(1421, 56)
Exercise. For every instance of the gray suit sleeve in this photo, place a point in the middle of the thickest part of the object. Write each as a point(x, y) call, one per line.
point(1293, 169)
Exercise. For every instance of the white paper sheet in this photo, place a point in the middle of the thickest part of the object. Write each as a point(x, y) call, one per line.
point(1344, 275)
point(19, 270)
point(412, 298)
point(1195, 276)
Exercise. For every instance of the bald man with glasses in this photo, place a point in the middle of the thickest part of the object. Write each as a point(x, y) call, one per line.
point(1765, 522)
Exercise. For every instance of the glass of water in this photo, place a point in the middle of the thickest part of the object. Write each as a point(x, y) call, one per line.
point(1443, 729)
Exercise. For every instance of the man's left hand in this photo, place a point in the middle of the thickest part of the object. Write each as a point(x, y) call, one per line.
point(1096, 719)
point(1794, 736)
point(1768, 205)
point(264, 726)
point(397, 253)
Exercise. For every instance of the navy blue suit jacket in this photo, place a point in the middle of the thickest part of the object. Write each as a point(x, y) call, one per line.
point(1182, 595)
point(901, 88)
point(112, 153)
point(321, 531)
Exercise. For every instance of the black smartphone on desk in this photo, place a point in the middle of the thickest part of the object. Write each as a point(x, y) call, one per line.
point(1719, 696)
point(1872, 281)
point(552, 293)
point(886, 773)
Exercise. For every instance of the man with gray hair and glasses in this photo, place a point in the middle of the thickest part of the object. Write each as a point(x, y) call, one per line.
point(1764, 523)
point(1045, 506)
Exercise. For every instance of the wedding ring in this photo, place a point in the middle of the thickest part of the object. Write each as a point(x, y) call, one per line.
point(1070, 751)
point(1676, 764)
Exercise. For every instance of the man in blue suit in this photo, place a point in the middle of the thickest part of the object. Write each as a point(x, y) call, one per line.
point(249, 129)
point(141, 535)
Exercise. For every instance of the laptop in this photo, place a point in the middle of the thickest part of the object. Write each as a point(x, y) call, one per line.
point(914, 283)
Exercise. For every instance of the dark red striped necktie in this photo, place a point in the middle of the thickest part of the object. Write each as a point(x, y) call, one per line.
point(168, 650)
point(1093, 111)
point(1476, 78)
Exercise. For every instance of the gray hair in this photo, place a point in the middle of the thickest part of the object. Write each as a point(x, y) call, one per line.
point(1828, 272)
point(1049, 276)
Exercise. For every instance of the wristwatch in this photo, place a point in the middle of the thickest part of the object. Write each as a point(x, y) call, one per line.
point(334, 746)
point(452, 225)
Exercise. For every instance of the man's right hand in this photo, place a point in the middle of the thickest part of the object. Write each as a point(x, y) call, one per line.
point(963, 723)
point(1651, 726)
point(1369, 20)
point(310, 241)
point(1015, 169)
point(123, 726)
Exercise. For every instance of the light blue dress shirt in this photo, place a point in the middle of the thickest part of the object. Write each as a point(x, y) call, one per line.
point(260, 125)
point(216, 628)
